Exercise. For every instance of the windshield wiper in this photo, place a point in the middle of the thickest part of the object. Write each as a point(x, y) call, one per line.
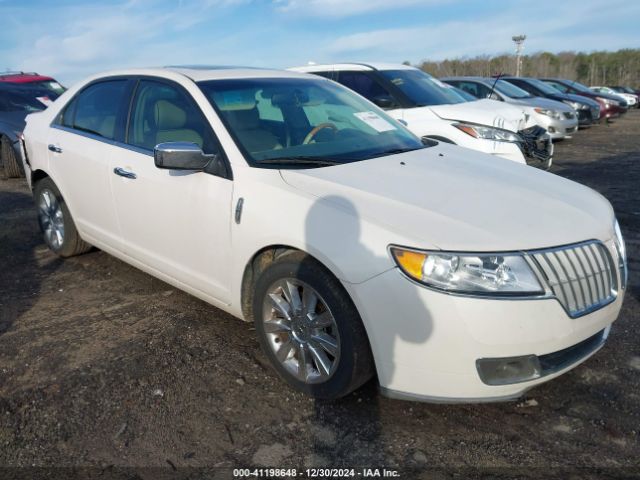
point(299, 161)
point(395, 151)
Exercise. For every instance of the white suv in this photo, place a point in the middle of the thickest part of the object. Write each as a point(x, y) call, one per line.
point(287, 200)
point(433, 109)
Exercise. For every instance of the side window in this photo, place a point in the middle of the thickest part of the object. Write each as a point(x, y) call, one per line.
point(363, 84)
point(469, 87)
point(165, 113)
point(483, 90)
point(66, 117)
point(95, 109)
point(559, 86)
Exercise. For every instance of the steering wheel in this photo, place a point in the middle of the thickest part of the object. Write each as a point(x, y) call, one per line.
point(314, 131)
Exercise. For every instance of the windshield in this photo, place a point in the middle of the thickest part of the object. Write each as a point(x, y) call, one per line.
point(579, 86)
point(510, 90)
point(543, 87)
point(422, 88)
point(51, 86)
point(11, 101)
point(304, 120)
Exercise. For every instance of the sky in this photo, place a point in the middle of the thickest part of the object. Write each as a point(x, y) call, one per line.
point(71, 39)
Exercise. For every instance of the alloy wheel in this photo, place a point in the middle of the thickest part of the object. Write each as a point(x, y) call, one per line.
point(51, 219)
point(301, 330)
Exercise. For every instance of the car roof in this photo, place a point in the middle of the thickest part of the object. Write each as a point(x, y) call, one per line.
point(200, 73)
point(469, 77)
point(351, 66)
point(21, 77)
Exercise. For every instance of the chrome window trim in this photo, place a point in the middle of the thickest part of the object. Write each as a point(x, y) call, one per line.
point(106, 140)
point(528, 256)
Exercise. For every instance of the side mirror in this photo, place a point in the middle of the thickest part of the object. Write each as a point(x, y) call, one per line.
point(384, 101)
point(494, 96)
point(180, 156)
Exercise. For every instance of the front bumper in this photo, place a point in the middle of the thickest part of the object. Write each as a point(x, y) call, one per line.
point(537, 145)
point(557, 128)
point(426, 344)
point(613, 111)
point(588, 116)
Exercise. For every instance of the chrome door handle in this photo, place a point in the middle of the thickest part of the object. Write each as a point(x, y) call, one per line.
point(54, 148)
point(124, 173)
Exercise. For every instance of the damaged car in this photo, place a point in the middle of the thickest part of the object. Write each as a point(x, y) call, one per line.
point(434, 110)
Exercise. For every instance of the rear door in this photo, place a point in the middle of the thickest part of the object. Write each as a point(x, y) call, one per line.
point(81, 142)
point(176, 222)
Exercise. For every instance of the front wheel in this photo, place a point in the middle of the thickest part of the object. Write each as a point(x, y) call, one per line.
point(309, 328)
point(56, 224)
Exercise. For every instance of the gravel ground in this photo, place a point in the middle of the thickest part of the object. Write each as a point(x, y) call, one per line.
point(110, 372)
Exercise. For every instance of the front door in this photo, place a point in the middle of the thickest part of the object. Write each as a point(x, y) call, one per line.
point(176, 222)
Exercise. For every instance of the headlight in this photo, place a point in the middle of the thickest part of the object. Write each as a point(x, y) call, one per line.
point(608, 101)
point(480, 274)
point(488, 133)
point(577, 105)
point(549, 113)
point(622, 254)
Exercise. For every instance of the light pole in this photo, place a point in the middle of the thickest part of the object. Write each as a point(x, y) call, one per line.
point(519, 41)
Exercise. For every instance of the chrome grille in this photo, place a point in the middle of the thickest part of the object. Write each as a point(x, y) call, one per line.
point(582, 277)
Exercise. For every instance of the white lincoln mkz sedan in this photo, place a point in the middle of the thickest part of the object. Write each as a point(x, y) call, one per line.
point(357, 250)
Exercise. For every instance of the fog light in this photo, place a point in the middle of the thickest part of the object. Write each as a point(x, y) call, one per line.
point(552, 129)
point(503, 371)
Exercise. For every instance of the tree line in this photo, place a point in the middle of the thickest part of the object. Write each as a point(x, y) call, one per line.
point(597, 68)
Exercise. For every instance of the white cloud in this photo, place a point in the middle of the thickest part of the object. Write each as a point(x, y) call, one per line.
point(345, 8)
point(490, 34)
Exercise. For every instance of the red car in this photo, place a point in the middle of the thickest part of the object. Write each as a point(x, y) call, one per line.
point(33, 80)
point(610, 106)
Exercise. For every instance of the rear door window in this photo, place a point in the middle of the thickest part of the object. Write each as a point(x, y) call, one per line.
point(95, 110)
point(364, 84)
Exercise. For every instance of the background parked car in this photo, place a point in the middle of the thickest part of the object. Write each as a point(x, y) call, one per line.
point(34, 80)
point(630, 98)
point(622, 89)
point(20, 95)
point(432, 109)
point(15, 105)
point(558, 119)
point(588, 110)
point(610, 106)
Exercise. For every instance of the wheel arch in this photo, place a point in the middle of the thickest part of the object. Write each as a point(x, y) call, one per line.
point(36, 176)
point(259, 261)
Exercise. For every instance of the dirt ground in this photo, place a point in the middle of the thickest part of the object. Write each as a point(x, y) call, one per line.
point(110, 373)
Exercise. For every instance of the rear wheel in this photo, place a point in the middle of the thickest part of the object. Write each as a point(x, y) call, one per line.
point(309, 328)
point(12, 166)
point(56, 224)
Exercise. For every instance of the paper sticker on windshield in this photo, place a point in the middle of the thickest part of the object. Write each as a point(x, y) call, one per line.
point(375, 121)
point(46, 101)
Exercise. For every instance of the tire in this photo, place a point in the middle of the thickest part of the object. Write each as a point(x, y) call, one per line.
point(12, 165)
point(309, 334)
point(56, 223)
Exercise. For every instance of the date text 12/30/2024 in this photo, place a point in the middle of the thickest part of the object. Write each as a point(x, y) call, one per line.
point(315, 473)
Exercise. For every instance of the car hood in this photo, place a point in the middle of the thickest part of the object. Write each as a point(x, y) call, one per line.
point(540, 102)
point(483, 112)
point(14, 120)
point(452, 198)
point(579, 98)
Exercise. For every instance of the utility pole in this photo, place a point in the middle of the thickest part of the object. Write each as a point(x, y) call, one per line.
point(519, 41)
